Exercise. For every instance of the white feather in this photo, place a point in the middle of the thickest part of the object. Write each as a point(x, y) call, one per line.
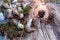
point(28, 26)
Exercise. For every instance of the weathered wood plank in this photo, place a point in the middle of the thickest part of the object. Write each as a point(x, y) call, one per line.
point(40, 32)
point(45, 32)
point(50, 32)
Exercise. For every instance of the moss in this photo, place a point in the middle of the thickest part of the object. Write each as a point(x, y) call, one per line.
point(26, 9)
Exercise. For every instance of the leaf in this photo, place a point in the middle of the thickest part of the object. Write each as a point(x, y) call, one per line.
point(26, 9)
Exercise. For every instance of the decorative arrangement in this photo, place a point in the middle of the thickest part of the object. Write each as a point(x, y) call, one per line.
point(15, 21)
point(11, 25)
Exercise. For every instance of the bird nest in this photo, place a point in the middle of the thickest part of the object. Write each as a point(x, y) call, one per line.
point(12, 31)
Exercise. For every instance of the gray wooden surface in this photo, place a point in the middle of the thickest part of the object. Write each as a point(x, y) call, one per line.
point(45, 32)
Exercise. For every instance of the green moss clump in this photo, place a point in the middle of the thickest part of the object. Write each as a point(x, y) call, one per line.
point(26, 9)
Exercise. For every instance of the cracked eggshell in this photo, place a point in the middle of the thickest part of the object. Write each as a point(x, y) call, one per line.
point(1, 2)
point(18, 4)
point(2, 19)
point(29, 23)
point(1, 16)
point(14, 22)
point(20, 25)
point(21, 15)
point(9, 11)
point(13, 6)
point(5, 5)
point(20, 9)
